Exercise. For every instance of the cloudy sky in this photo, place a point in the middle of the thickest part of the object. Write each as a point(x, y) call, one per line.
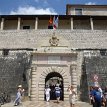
point(41, 6)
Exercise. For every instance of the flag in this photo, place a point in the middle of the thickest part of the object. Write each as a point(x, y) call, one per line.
point(50, 25)
point(55, 22)
point(50, 21)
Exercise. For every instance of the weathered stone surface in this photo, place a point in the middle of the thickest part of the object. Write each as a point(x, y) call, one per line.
point(78, 39)
point(97, 66)
point(13, 70)
point(18, 62)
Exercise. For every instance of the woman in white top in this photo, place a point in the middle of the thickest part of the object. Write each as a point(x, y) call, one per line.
point(72, 96)
point(47, 93)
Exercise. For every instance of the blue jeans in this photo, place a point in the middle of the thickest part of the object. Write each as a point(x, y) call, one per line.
point(17, 101)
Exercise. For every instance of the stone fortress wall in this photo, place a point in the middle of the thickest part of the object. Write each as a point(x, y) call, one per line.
point(14, 67)
point(32, 39)
point(80, 43)
point(13, 70)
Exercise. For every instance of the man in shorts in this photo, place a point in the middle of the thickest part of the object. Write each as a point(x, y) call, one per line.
point(57, 92)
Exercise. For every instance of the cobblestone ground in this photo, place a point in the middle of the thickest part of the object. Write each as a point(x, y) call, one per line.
point(46, 104)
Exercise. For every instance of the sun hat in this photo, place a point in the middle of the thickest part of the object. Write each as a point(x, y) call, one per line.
point(19, 86)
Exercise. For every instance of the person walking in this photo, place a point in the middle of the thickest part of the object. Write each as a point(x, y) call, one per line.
point(90, 95)
point(57, 92)
point(97, 97)
point(18, 97)
point(92, 91)
point(47, 93)
point(22, 91)
point(72, 95)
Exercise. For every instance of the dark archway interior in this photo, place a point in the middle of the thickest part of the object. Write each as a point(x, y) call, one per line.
point(51, 80)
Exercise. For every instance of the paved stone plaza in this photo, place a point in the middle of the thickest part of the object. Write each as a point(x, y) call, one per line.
point(46, 104)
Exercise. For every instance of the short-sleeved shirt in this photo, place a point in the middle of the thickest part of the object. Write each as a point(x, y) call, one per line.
point(57, 89)
point(92, 92)
point(97, 95)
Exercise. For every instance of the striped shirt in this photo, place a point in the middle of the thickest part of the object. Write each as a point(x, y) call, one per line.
point(57, 89)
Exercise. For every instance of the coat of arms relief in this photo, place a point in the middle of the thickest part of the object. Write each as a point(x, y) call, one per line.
point(54, 40)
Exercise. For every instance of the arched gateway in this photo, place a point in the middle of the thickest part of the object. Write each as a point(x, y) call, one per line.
point(51, 80)
point(56, 75)
point(42, 72)
point(51, 64)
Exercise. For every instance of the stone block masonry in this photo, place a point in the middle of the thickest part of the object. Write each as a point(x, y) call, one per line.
point(78, 39)
point(13, 70)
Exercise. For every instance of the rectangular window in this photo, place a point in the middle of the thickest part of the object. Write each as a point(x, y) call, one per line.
point(78, 11)
point(103, 52)
point(26, 27)
point(5, 52)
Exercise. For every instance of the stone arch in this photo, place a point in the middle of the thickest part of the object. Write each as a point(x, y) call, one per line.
point(41, 85)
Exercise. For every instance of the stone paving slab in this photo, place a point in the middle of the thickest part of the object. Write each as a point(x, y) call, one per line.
point(46, 104)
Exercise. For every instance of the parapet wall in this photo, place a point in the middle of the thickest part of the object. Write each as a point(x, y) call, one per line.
point(78, 39)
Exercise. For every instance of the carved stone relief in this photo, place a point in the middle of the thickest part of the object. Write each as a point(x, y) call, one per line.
point(54, 40)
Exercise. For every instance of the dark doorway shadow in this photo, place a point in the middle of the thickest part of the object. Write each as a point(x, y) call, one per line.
point(51, 80)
